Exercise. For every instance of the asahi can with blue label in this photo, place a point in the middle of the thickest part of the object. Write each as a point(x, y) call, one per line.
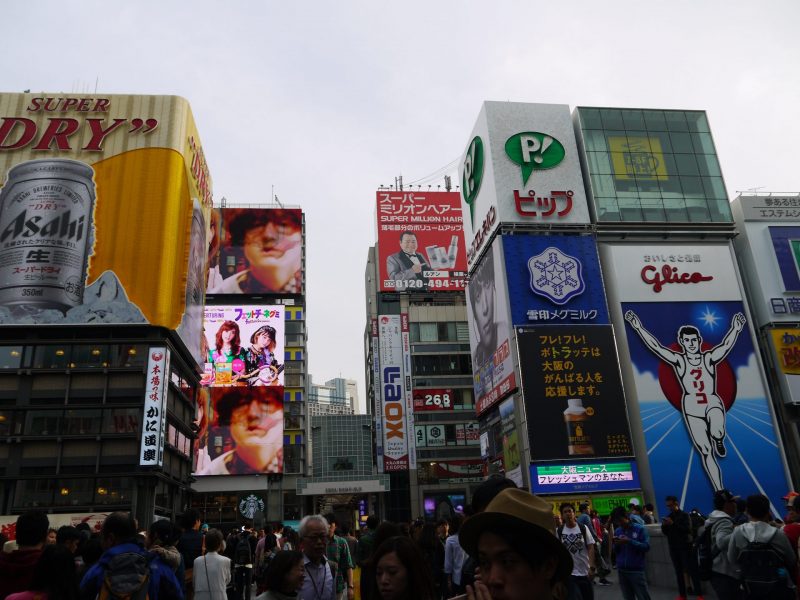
point(46, 220)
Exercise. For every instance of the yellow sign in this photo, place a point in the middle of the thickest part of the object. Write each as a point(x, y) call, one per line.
point(637, 157)
point(787, 349)
point(104, 212)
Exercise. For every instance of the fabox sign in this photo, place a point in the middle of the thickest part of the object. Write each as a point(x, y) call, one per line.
point(392, 386)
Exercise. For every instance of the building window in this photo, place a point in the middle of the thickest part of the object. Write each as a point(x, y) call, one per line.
point(51, 357)
point(93, 356)
point(112, 490)
point(43, 422)
point(74, 492)
point(10, 357)
point(81, 422)
point(121, 420)
point(33, 493)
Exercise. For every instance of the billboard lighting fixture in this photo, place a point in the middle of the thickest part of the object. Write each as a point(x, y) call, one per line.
point(59, 352)
point(15, 353)
point(131, 351)
point(64, 491)
point(95, 352)
point(102, 491)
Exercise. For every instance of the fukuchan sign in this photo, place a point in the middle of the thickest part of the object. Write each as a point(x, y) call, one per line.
point(104, 212)
point(520, 166)
point(420, 241)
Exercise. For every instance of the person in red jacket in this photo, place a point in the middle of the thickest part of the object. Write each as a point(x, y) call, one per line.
point(16, 568)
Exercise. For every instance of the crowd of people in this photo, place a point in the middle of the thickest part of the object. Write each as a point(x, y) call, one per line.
point(509, 546)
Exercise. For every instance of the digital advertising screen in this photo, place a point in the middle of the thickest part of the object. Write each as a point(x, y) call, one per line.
point(564, 478)
point(260, 252)
point(244, 345)
point(420, 241)
point(104, 212)
point(240, 431)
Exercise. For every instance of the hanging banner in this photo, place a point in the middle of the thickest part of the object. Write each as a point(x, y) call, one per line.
point(393, 395)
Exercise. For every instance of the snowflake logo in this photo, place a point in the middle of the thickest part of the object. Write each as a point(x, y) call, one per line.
point(556, 276)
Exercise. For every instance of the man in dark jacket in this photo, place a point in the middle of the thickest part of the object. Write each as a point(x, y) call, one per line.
point(16, 568)
point(676, 527)
point(125, 556)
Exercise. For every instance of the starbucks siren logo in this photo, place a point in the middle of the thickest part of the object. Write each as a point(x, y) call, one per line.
point(556, 276)
point(250, 505)
point(473, 175)
point(533, 151)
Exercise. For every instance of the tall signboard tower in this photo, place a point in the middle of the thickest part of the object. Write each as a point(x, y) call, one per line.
point(701, 415)
point(548, 391)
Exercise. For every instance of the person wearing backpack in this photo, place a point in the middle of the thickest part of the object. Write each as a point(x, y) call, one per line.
point(126, 571)
point(764, 558)
point(579, 541)
point(243, 561)
point(711, 548)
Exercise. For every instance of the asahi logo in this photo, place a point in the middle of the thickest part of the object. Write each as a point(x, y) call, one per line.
point(61, 227)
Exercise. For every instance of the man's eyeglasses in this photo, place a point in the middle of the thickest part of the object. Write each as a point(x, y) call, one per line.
point(320, 537)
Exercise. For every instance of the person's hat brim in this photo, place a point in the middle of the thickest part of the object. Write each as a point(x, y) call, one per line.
point(475, 526)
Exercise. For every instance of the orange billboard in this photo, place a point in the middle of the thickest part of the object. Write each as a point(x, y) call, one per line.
point(104, 212)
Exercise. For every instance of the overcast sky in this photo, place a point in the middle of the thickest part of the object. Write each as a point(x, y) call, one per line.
point(328, 100)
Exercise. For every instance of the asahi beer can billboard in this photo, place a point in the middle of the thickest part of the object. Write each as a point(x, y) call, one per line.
point(104, 212)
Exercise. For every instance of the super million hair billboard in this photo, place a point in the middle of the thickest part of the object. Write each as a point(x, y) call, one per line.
point(103, 212)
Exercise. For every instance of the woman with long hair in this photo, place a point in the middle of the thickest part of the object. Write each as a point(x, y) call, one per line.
point(228, 344)
point(400, 572)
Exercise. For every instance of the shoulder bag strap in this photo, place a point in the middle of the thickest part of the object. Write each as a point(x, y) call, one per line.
point(208, 581)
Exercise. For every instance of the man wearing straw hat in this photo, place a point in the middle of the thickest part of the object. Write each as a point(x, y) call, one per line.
point(517, 551)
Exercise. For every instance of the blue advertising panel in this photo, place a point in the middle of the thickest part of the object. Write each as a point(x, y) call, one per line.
point(786, 242)
point(575, 477)
point(705, 414)
point(554, 280)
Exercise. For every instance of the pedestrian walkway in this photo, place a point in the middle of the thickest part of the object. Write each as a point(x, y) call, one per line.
point(612, 592)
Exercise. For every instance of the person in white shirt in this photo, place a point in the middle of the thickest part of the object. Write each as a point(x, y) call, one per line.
point(577, 538)
point(212, 571)
point(454, 558)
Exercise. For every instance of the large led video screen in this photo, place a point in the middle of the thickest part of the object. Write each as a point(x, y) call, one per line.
point(260, 252)
point(244, 346)
point(240, 431)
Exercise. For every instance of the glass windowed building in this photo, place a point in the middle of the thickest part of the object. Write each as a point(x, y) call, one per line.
point(651, 166)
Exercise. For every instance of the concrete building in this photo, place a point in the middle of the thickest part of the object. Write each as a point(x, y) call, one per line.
point(343, 468)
